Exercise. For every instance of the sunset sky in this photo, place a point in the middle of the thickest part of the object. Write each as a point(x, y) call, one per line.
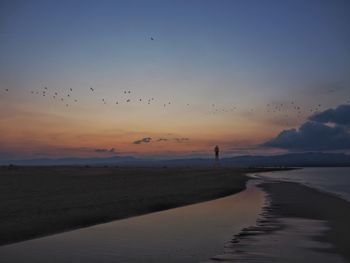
point(232, 73)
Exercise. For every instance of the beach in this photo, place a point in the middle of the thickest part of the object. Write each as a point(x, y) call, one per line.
point(296, 223)
point(39, 201)
point(293, 200)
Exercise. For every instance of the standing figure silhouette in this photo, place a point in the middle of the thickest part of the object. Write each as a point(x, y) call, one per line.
point(216, 150)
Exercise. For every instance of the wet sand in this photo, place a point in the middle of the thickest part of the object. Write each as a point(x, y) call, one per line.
point(298, 224)
point(293, 200)
point(39, 201)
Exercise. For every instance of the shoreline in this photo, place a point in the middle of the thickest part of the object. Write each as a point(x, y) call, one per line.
point(191, 233)
point(294, 214)
point(296, 220)
point(41, 201)
point(295, 200)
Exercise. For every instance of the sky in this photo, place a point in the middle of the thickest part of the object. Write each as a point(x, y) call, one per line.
point(238, 74)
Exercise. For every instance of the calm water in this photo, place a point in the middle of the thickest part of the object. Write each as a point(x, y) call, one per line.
point(192, 233)
point(333, 180)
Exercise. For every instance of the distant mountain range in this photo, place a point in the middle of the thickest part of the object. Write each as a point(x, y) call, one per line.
point(292, 159)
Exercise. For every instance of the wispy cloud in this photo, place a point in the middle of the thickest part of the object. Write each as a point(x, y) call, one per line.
point(162, 140)
point(143, 140)
point(179, 140)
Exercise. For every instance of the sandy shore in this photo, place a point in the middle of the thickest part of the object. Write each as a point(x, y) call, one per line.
point(293, 200)
point(298, 224)
point(38, 201)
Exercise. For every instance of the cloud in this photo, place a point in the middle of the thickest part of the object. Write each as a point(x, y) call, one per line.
point(143, 140)
point(178, 140)
point(339, 115)
point(162, 139)
point(181, 139)
point(312, 135)
point(112, 150)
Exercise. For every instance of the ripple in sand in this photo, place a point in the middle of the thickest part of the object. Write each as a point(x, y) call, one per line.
point(279, 240)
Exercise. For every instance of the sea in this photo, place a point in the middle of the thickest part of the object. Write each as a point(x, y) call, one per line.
point(332, 180)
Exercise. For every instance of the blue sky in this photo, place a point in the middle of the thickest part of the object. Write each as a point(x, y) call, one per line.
point(243, 54)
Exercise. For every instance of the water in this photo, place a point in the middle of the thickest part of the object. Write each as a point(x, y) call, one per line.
point(196, 233)
point(192, 233)
point(296, 241)
point(332, 180)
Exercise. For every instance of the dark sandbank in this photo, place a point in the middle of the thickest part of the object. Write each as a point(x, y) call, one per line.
point(38, 201)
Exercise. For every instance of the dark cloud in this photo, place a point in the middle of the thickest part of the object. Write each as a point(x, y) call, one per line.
point(112, 150)
point(181, 139)
point(143, 140)
point(312, 136)
point(339, 115)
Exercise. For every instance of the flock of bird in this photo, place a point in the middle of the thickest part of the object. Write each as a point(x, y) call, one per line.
point(286, 111)
point(68, 97)
point(63, 98)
